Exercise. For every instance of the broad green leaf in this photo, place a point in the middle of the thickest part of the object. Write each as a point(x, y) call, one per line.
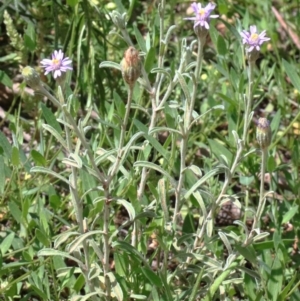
point(152, 277)
point(78, 241)
point(184, 87)
point(30, 36)
point(49, 172)
point(6, 243)
point(42, 238)
point(79, 284)
point(200, 182)
point(221, 46)
point(218, 281)
point(292, 73)
point(60, 139)
point(5, 79)
point(164, 129)
point(108, 64)
point(151, 165)
point(88, 184)
point(141, 127)
point(16, 264)
point(285, 291)
point(140, 39)
point(246, 181)
point(226, 242)
point(196, 119)
point(121, 264)
point(120, 6)
point(72, 3)
point(250, 286)
point(188, 224)
point(124, 246)
point(161, 70)
point(52, 252)
point(86, 296)
point(38, 158)
point(150, 59)
point(50, 118)
point(276, 278)
point(38, 291)
point(61, 238)
point(290, 214)
point(128, 206)
point(24, 160)
point(27, 203)
point(15, 211)
point(2, 175)
point(5, 145)
point(169, 34)
point(247, 252)
point(15, 159)
point(115, 286)
point(276, 121)
point(219, 149)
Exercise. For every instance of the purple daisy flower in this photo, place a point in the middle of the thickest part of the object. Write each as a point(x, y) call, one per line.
point(57, 64)
point(203, 14)
point(253, 39)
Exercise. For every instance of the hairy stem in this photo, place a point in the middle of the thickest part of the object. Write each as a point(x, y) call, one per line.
point(185, 132)
point(77, 205)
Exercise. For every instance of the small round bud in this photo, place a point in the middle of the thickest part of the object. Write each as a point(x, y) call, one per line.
point(31, 78)
point(131, 66)
point(263, 133)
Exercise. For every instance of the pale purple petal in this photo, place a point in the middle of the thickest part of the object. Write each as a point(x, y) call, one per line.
point(252, 29)
point(253, 39)
point(195, 7)
point(57, 64)
point(202, 14)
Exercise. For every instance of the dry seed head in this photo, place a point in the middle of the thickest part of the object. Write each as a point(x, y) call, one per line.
point(228, 213)
point(131, 66)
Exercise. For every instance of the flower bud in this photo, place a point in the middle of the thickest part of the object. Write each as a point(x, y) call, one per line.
point(253, 56)
point(131, 66)
point(31, 78)
point(201, 33)
point(118, 19)
point(263, 133)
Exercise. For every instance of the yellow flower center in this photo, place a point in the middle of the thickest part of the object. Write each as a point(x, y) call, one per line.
point(254, 37)
point(201, 12)
point(56, 61)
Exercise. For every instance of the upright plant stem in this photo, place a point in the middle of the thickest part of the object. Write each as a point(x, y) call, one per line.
point(144, 175)
point(262, 198)
point(249, 100)
point(122, 135)
point(77, 205)
point(106, 247)
point(186, 131)
point(154, 96)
